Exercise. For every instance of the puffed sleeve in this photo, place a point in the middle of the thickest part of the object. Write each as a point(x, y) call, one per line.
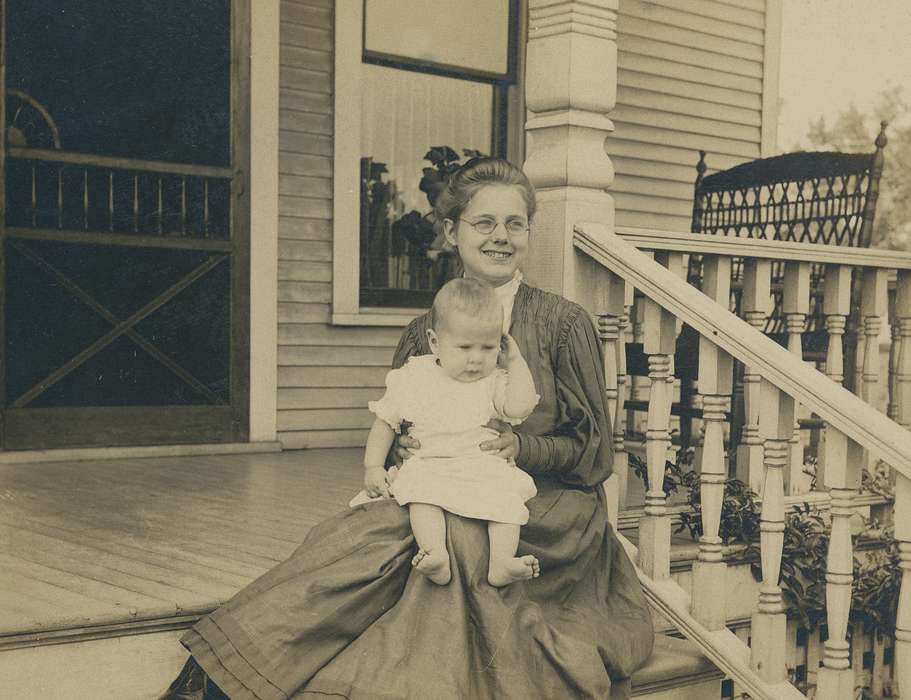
point(579, 451)
point(500, 380)
point(390, 407)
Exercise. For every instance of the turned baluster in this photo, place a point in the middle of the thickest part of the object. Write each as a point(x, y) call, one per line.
point(755, 307)
point(872, 308)
point(902, 661)
point(673, 261)
point(844, 459)
point(610, 334)
point(621, 456)
point(796, 305)
point(715, 383)
point(894, 350)
point(835, 306)
point(769, 622)
point(903, 364)
point(659, 333)
point(638, 384)
point(902, 511)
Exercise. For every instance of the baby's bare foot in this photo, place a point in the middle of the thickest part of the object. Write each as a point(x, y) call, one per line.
point(433, 565)
point(504, 572)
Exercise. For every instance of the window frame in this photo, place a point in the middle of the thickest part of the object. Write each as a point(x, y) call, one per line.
point(507, 114)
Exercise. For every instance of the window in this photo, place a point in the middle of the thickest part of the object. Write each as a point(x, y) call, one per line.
point(410, 76)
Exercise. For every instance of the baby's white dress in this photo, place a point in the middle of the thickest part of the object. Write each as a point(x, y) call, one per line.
point(448, 418)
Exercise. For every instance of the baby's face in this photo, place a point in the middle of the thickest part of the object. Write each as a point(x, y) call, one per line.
point(466, 347)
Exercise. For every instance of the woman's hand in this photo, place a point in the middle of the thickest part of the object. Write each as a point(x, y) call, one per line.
point(375, 482)
point(505, 446)
point(404, 447)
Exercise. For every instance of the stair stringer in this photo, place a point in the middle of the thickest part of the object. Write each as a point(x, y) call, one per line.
point(721, 647)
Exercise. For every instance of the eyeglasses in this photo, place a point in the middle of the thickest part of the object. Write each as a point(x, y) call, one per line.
point(485, 227)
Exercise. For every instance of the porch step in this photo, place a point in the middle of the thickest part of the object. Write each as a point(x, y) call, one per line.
point(138, 666)
point(677, 671)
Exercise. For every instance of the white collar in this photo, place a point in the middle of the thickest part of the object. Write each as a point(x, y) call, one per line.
point(506, 293)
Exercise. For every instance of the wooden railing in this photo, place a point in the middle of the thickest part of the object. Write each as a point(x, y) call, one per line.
point(88, 198)
point(776, 380)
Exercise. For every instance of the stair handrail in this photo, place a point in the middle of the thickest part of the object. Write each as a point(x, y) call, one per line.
point(833, 403)
point(843, 411)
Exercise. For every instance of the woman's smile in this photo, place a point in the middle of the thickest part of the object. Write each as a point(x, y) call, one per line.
point(493, 256)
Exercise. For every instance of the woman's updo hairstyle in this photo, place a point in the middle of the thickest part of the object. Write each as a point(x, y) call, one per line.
point(473, 176)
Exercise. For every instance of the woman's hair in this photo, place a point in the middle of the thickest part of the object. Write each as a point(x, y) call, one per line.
point(470, 296)
point(474, 175)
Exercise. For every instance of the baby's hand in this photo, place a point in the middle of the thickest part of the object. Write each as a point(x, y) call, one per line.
point(375, 482)
point(509, 350)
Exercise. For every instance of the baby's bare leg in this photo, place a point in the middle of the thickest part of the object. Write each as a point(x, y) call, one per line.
point(505, 567)
point(429, 526)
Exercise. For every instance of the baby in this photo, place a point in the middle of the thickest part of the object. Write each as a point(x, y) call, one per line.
point(449, 397)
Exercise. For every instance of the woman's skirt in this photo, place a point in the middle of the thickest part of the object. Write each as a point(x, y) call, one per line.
point(343, 617)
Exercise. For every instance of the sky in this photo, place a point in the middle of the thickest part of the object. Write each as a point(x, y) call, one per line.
point(834, 52)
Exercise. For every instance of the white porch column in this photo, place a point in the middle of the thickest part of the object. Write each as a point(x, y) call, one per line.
point(263, 184)
point(570, 86)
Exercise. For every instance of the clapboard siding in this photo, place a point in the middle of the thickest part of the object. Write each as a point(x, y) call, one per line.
point(303, 186)
point(749, 14)
point(708, 94)
point(303, 229)
point(305, 207)
point(308, 122)
point(321, 334)
point(331, 376)
point(628, 149)
point(298, 312)
point(300, 57)
point(718, 47)
point(672, 70)
point(654, 101)
point(680, 138)
point(303, 271)
point(310, 14)
point(305, 143)
point(649, 45)
point(690, 77)
point(329, 355)
point(318, 397)
point(683, 16)
point(321, 419)
point(305, 250)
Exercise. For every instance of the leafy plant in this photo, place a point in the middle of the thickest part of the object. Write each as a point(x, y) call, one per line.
point(739, 510)
point(877, 574)
point(421, 229)
point(803, 564)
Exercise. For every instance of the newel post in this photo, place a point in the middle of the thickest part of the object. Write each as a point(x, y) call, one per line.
point(570, 86)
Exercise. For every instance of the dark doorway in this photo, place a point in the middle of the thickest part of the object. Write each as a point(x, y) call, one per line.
point(124, 260)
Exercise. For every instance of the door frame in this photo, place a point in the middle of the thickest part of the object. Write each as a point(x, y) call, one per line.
point(81, 427)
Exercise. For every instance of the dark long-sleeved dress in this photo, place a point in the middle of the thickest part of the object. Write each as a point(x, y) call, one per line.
point(345, 617)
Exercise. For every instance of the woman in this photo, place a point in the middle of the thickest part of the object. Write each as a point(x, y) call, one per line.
point(344, 617)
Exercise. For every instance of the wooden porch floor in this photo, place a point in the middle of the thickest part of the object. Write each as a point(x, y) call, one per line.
point(87, 547)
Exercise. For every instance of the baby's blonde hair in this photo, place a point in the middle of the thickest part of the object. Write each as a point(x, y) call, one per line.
point(469, 296)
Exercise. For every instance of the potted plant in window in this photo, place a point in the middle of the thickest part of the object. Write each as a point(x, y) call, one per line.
point(405, 250)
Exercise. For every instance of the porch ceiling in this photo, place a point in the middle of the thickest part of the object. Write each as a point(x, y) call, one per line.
point(101, 543)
